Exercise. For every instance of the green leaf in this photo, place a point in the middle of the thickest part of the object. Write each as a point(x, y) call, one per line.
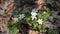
point(39, 27)
point(42, 26)
point(46, 15)
point(47, 9)
point(10, 22)
point(50, 1)
point(30, 8)
point(34, 24)
point(14, 30)
point(51, 31)
point(27, 19)
point(39, 15)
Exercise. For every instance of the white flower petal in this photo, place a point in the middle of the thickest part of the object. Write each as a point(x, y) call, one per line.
point(40, 21)
point(21, 16)
point(33, 15)
point(34, 10)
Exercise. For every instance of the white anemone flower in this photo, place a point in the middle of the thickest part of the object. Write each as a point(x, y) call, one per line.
point(34, 10)
point(21, 16)
point(40, 21)
point(44, 12)
point(33, 15)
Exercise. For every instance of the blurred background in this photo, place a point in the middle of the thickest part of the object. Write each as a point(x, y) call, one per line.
point(22, 16)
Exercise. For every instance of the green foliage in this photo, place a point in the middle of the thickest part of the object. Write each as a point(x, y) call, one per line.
point(14, 30)
point(39, 15)
point(34, 24)
point(52, 31)
point(27, 19)
point(50, 1)
point(41, 27)
point(10, 22)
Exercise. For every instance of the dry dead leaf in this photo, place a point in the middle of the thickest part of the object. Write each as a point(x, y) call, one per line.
point(40, 4)
point(33, 32)
point(15, 20)
point(9, 7)
point(30, 24)
point(7, 14)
